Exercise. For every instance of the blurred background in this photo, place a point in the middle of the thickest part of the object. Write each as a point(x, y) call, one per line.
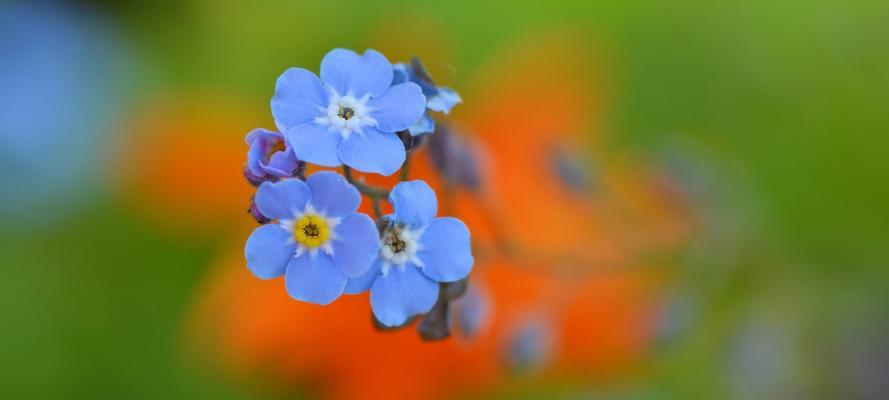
point(715, 174)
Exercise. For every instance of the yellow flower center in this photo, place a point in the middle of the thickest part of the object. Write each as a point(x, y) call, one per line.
point(311, 230)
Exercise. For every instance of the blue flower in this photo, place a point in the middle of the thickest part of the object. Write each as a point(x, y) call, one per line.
point(62, 81)
point(529, 345)
point(456, 157)
point(349, 116)
point(471, 311)
point(318, 241)
point(417, 252)
point(572, 169)
point(438, 98)
point(269, 156)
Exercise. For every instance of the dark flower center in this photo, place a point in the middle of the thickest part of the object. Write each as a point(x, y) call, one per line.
point(393, 240)
point(311, 230)
point(345, 113)
point(397, 245)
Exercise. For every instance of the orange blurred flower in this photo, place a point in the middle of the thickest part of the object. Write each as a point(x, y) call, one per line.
point(578, 256)
point(179, 166)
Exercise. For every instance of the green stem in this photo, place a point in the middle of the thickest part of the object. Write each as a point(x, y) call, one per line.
point(378, 211)
point(406, 167)
point(368, 190)
point(376, 194)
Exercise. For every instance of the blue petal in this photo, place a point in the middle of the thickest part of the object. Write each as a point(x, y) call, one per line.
point(316, 144)
point(373, 151)
point(400, 74)
point(445, 251)
point(332, 195)
point(298, 96)
point(259, 139)
point(314, 279)
point(443, 101)
point(348, 73)
point(402, 293)
point(268, 250)
point(356, 243)
point(399, 108)
point(424, 125)
point(414, 203)
point(366, 280)
point(283, 199)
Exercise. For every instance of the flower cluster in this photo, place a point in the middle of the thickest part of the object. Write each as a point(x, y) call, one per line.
point(353, 115)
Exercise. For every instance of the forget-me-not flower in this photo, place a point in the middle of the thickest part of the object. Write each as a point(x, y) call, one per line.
point(350, 115)
point(438, 98)
point(269, 156)
point(318, 241)
point(417, 251)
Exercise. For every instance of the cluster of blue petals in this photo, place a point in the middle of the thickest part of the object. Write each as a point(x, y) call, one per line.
point(312, 275)
point(351, 114)
point(399, 291)
point(438, 98)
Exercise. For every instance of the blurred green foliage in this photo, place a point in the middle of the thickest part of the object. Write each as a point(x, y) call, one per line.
point(792, 93)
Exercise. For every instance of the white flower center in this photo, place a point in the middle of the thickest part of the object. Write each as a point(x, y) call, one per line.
point(346, 113)
point(398, 246)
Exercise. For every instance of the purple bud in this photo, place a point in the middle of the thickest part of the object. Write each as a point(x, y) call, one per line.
point(270, 158)
point(573, 170)
point(674, 319)
point(471, 311)
point(454, 157)
point(256, 214)
point(254, 180)
point(435, 324)
point(529, 346)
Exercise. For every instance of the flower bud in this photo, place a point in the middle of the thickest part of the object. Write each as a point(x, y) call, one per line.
point(256, 214)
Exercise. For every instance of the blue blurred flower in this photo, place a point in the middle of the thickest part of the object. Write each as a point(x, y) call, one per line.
point(59, 95)
point(417, 252)
point(438, 98)
point(269, 156)
point(456, 157)
point(530, 345)
point(350, 115)
point(318, 214)
point(573, 169)
point(675, 318)
point(762, 356)
point(472, 310)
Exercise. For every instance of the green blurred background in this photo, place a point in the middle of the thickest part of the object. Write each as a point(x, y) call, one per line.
point(782, 105)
